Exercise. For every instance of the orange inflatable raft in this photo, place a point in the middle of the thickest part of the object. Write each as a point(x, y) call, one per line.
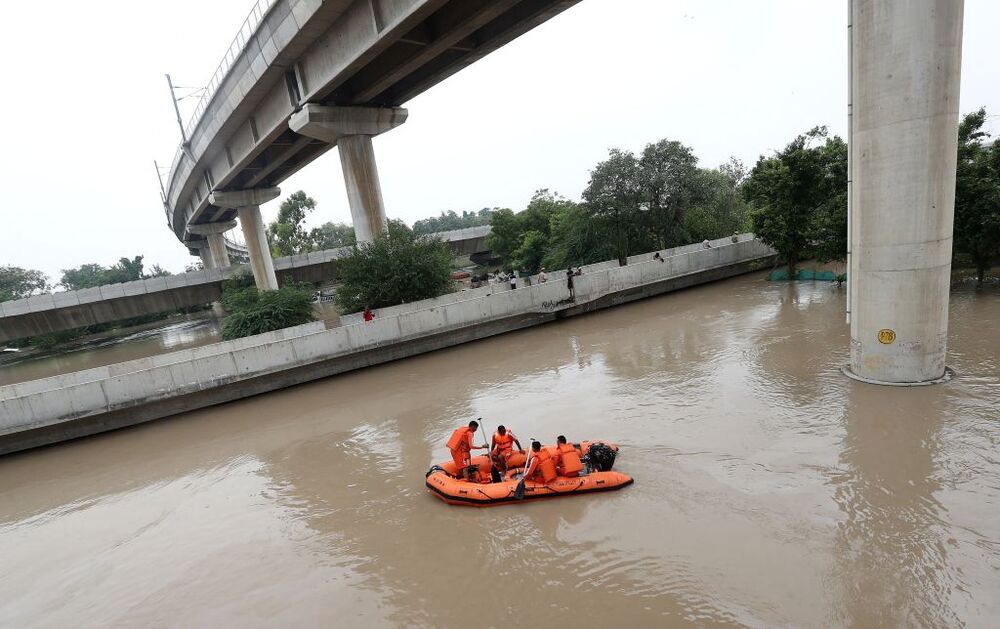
point(489, 486)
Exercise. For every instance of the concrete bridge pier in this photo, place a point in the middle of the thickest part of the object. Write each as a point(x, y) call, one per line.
point(202, 247)
point(906, 69)
point(213, 232)
point(247, 205)
point(351, 129)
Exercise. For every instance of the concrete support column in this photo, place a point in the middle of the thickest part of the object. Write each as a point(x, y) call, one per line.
point(201, 246)
point(351, 129)
point(213, 232)
point(357, 158)
point(906, 72)
point(247, 205)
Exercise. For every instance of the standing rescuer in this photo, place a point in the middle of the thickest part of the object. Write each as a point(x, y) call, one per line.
point(461, 446)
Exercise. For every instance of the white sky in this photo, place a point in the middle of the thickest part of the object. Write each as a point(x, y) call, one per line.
point(86, 109)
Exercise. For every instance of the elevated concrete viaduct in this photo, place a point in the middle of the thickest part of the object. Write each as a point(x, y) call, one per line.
point(306, 75)
point(43, 314)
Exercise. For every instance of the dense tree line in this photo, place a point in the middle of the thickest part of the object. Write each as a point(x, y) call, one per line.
point(449, 221)
point(632, 204)
point(126, 270)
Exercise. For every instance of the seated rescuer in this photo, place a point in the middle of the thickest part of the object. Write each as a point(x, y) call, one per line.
point(461, 446)
point(568, 461)
point(542, 467)
point(503, 443)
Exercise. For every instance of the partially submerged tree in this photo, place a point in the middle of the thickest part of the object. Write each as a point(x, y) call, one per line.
point(799, 197)
point(394, 268)
point(977, 195)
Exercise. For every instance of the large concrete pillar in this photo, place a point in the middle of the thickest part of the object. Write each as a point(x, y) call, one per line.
point(201, 246)
point(247, 205)
point(351, 129)
point(905, 87)
point(213, 232)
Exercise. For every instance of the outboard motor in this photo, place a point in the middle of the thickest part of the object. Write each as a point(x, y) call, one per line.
point(600, 457)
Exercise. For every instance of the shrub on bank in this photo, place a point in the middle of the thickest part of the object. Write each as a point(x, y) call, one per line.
point(254, 312)
point(394, 268)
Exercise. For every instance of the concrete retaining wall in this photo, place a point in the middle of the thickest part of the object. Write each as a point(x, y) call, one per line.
point(44, 314)
point(63, 407)
point(555, 277)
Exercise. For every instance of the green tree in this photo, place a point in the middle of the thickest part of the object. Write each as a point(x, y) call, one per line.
point(84, 276)
point(127, 270)
point(521, 240)
point(158, 271)
point(614, 194)
point(18, 283)
point(977, 195)
point(529, 254)
point(577, 238)
point(332, 236)
point(505, 234)
point(718, 208)
point(669, 183)
point(799, 195)
point(394, 268)
point(286, 233)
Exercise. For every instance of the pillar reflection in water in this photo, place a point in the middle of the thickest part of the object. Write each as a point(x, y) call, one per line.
point(892, 556)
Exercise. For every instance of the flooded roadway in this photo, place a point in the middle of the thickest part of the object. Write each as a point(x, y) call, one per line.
point(770, 489)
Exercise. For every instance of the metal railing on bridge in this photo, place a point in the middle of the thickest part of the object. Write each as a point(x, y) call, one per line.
point(249, 27)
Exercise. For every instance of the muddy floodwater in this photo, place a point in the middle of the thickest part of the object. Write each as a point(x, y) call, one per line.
point(770, 490)
point(115, 349)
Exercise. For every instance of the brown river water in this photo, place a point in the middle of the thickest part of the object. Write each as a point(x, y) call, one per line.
point(770, 490)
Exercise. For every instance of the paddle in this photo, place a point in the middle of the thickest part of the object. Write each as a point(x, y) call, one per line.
point(519, 490)
point(489, 452)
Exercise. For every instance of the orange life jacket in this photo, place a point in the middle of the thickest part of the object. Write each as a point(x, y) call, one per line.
point(503, 443)
point(461, 439)
point(542, 465)
point(569, 460)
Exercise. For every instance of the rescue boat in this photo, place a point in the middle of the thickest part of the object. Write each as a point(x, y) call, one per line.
point(489, 486)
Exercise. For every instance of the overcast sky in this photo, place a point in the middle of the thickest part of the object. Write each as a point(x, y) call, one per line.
point(86, 109)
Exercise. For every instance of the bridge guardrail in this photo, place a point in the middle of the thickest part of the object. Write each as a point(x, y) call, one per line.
point(249, 27)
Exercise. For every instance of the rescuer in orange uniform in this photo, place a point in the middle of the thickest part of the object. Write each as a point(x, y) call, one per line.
point(567, 458)
point(503, 443)
point(542, 467)
point(461, 446)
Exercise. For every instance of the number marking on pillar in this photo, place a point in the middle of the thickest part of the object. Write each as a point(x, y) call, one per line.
point(886, 336)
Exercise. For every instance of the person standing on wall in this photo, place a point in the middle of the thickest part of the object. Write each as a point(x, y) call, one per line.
point(569, 283)
point(368, 314)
